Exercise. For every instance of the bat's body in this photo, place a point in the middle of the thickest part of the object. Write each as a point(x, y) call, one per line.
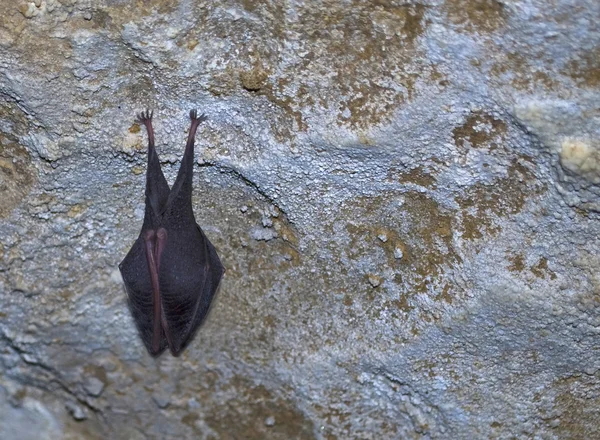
point(172, 271)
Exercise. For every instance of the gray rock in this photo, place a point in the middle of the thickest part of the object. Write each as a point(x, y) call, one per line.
point(406, 197)
point(76, 411)
point(93, 386)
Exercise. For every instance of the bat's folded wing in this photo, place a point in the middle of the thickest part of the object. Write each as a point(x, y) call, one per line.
point(190, 272)
point(213, 279)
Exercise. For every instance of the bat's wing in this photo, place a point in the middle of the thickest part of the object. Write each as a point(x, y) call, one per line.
point(136, 276)
point(213, 279)
point(190, 272)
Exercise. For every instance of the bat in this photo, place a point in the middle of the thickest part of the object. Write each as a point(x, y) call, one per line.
point(172, 271)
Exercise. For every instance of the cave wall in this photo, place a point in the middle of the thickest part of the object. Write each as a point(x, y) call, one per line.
point(405, 195)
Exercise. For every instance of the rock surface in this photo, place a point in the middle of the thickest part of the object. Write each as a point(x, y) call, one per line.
point(406, 197)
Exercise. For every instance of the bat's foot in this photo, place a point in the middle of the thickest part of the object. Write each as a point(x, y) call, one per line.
point(145, 117)
point(195, 118)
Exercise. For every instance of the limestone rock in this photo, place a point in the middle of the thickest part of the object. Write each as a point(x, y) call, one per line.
point(405, 195)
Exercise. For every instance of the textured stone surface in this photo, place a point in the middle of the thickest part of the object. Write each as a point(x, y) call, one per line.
point(405, 195)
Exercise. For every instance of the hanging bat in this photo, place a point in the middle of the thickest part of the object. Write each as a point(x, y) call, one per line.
point(172, 271)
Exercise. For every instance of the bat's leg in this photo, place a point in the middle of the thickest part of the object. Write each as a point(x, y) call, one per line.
point(151, 242)
point(196, 120)
point(182, 187)
point(157, 189)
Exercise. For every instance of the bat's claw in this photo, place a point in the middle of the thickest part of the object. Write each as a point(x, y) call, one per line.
point(145, 117)
point(195, 118)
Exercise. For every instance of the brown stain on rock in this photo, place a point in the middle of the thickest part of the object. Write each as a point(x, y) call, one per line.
point(417, 236)
point(402, 304)
point(446, 294)
point(420, 232)
point(225, 82)
point(77, 210)
point(481, 204)
point(418, 176)
point(255, 79)
point(259, 81)
point(429, 239)
point(517, 69)
point(17, 173)
point(517, 262)
point(367, 51)
point(482, 16)
point(123, 12)
point(541, 270)
point(98, 372)
point(364, 55)
point(244, 416)
point(584, 68)
point(190, 420)
point(480, 130)
point(283, 128)
point(137, 87)
point(272, 261)
point(576, 406)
